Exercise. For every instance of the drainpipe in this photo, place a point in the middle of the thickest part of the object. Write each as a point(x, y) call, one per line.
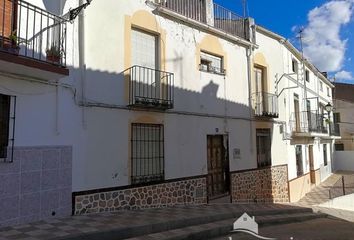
point(82, 63)
point(249, 53)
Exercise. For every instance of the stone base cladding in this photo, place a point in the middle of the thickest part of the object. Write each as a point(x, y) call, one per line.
point(181, 192)
point(36, 185)
point(261, 185)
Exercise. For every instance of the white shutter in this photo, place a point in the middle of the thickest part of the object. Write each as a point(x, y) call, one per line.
point(144, 49)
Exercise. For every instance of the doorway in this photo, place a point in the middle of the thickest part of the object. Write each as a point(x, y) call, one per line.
point(218, 167)
point(312, 165)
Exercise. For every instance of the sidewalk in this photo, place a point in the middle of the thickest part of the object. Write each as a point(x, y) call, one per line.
point(320, 194)
point(127, 223)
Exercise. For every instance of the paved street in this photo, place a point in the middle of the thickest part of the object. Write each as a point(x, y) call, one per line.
point(321, 229)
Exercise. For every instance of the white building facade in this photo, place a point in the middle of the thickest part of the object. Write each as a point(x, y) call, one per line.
point(140, 104)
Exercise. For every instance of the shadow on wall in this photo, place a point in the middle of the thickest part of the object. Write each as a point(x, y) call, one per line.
point(113, 89)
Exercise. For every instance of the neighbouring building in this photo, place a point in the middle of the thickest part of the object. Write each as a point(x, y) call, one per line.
point(344, 114)
point(292, 124)
point(143, 104)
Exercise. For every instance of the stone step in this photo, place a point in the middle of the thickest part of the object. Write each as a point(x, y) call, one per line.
point(221, 228)
point(169, 224)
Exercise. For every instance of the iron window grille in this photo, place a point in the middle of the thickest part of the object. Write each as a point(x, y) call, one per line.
point(264, 146)
point(147, 153)
point(7, 127)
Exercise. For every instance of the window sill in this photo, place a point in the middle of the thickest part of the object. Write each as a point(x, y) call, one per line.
point(211, 72)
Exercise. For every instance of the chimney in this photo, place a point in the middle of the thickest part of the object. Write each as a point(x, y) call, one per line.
point(325, 74)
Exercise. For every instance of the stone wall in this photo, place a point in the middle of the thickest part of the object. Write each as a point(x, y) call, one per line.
point(181, 192)
point(263, 185)
point(36, 185)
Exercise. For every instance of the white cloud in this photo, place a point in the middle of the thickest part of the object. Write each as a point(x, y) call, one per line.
point(344, 75)
point(322, 41)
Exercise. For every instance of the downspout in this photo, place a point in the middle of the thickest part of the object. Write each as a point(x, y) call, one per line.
point(57, 131)
point(249, 53)
point(82, 63)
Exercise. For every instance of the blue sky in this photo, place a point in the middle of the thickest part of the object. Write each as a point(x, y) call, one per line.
point(328, 29)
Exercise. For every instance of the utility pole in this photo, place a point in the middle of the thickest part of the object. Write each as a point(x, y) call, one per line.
point(300, 36)
point(244, 5)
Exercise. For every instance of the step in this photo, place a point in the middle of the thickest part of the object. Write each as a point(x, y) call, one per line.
point(221, 228)
point(171, 224)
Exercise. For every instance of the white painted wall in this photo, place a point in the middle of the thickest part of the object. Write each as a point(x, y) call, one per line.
point(344, 203)
point(344, 161)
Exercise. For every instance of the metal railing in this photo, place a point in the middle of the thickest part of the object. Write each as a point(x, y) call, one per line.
point(344, 186)
point(308, 122)
point(229, 22)
point(194, 9)
point(215, 15)
point(265, 104)
point(334, 129)
point(150, 87)
point(32, 32)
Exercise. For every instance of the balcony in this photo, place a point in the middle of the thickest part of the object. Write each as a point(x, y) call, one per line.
point(218, 17)
point(265, 105)
point(334, 129)
point(308, 123)
point(32, 41)
point(150, 88)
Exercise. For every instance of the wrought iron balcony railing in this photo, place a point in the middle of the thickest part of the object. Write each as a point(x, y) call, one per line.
point(230, 22)
point(150, 88)
point(220, 17)
point(308, 122)
point(265, 105)
point(29, 31)
point(334, 129)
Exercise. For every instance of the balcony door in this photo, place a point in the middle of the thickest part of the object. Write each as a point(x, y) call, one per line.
point(145, 57)
point(261, 101)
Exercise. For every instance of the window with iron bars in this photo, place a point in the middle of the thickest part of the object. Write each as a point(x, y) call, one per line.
point(264, 148)
point(147, 153)
point(5, 102)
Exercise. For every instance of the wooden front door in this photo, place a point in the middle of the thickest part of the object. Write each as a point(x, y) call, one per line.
point(218, 167)
point(312, 166)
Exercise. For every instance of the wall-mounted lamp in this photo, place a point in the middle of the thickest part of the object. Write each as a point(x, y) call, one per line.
point(329, 107)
